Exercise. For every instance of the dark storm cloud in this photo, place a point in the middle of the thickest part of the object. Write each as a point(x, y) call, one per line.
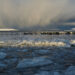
point(23, 14)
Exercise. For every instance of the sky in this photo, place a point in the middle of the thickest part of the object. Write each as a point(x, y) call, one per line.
point(37, 14)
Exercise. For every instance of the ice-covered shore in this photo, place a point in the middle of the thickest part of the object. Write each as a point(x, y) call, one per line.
point(37, 55)
point(45, 43)
point(37, 61)
point(37, 40)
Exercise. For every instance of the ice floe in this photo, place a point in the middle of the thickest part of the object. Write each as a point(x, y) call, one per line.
point(37, 61)
point(2, 66)
point(2, 55)
point(70, 71)
point(43, 73)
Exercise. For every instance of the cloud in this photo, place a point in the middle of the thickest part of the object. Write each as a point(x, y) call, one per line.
point(23, 14)
point(71, 23)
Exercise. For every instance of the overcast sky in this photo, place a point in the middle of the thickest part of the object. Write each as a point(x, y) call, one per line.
point(36, 14)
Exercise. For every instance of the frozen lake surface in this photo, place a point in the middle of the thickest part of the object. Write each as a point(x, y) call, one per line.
point(37, 55)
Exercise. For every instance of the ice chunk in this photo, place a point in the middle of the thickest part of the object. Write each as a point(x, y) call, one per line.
point(38, 61)
point(2, 66)
point(70, 71)
point(56, 73)
point(2, 55)
point(43, 73)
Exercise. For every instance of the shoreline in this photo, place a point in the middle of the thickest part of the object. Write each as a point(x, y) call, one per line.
point(37, 32)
